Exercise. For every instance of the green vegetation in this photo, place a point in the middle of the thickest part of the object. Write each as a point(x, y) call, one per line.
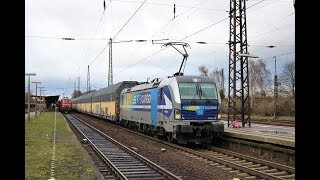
point(70, 159)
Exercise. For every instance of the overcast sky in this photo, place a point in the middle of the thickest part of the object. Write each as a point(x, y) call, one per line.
point(58, 63)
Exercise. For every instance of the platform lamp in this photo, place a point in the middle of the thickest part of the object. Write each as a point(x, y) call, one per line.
point(243, 98)
point(29, 74)
point(36, 96)
point(43, 100)
point(40, 89)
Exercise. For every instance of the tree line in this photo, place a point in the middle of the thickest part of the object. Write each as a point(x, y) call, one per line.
point(261, 87)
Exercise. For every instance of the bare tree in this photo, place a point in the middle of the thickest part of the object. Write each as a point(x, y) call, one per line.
point(76, 93)
point(203, 70)
point(219, 78)
point(287, 79)
point(259, 79)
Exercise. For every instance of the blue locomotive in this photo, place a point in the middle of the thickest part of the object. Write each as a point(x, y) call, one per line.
point(183, 109)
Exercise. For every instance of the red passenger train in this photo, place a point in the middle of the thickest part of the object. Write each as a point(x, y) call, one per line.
point(65, 105)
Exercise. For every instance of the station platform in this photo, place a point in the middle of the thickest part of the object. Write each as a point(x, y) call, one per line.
point(273, 134)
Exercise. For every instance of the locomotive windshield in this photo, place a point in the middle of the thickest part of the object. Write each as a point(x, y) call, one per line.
point(198, 90)
point(66, 100)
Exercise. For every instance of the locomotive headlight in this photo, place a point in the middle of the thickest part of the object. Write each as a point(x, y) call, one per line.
point(177, 113)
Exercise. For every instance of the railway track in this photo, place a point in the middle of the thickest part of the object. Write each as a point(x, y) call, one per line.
point(282, 155)
point(122, 162)
point(252, 168)
point(244, 167)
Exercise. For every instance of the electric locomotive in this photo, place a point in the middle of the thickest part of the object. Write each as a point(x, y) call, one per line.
point(65, 105)
point(183, 109)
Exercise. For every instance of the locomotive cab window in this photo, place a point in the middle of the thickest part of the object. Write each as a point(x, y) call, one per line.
point(208, 91)
point(198, 91)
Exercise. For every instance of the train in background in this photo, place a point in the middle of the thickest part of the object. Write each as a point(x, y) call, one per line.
point(65, 105)
point(182, 109)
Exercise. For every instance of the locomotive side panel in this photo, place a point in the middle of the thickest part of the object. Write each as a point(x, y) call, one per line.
point(136, 106)
point(152, 107)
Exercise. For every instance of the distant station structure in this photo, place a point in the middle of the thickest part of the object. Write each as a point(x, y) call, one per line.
point(47, 101)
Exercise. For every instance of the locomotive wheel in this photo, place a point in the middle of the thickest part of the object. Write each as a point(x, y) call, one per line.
point(169, 137)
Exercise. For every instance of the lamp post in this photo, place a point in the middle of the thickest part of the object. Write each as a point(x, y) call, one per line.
point(36, 96)
point(275, 89)
point(29, 74)
point(40, 99)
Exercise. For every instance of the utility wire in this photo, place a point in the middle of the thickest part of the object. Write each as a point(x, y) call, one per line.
point(75, 39)
point(205, 28)
point(179, 16)
point(216, 23)
point(255, 4)
point(258, 34)
point(155, 34)
point(105, 7)
point(116, 34)
point(48, 37)
point(121, 29)
point(187, 36)
point(283, 54)
point(167, 46)
point(166, 4)
point(100, 20)
point(141, 61)
point(171, 21)
point(129, 19)
point(152, 36)
point(283, 27)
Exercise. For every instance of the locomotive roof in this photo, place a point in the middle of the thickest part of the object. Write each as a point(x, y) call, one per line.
point(194, 79)
point(188, 78)
point(142, 86)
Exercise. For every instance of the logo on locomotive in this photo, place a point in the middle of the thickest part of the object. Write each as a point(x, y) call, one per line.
point(142, 101)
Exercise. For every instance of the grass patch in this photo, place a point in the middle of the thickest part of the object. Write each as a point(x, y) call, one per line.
point(70, 160)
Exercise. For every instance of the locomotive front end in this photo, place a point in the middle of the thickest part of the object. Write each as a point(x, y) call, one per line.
point(197, 110)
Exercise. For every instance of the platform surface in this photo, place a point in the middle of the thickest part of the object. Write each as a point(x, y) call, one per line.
point(280, 135)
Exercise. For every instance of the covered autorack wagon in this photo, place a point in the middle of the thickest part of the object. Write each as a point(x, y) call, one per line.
point(76, 103)
point(105, 102)
point(86, 105)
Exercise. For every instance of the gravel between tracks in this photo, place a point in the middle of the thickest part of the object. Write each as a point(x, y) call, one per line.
point(175, 161)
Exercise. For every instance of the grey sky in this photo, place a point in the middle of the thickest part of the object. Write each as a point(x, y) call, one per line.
point(58, 62)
